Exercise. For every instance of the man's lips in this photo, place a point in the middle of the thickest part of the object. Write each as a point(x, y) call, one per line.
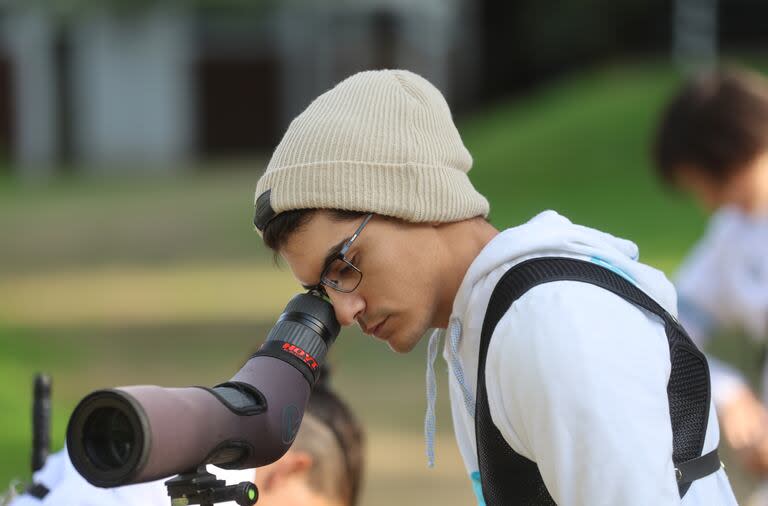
point(378, 327)
point(375, 329)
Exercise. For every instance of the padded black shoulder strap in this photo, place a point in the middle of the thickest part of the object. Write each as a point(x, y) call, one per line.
point(509, 478)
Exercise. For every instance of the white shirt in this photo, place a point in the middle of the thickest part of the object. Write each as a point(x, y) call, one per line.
point(67, 488)
point(576, 376)
point(724, 283)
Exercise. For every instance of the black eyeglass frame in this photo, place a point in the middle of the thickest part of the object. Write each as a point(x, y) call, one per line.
point(341, 255)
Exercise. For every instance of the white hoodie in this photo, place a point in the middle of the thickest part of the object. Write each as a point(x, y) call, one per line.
point(724, 284)
point(576, 376)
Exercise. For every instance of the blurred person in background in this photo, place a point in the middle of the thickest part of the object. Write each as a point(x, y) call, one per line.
point(712, 141)
point(323, 467)
point(367, 199)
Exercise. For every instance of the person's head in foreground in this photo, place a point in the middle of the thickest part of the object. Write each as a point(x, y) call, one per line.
point(367, 198)
point(712, 140)
point(324, 467)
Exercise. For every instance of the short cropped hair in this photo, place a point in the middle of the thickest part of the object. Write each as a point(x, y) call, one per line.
point(279, 230)
point(716, 125)
point(333, 436)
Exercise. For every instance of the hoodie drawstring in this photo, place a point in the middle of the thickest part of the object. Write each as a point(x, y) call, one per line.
point(454, 336)
point(429, 417)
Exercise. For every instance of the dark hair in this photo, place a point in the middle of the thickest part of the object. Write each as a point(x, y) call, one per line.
point(277, 231)
point(716, 124)
point(334, 413)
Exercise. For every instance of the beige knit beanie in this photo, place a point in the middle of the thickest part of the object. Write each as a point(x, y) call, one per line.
point(380, 141)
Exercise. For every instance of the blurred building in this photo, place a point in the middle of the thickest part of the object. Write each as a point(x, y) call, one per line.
point(118, 85)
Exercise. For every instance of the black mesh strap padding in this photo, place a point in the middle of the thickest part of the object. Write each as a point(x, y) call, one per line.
point(509, 478)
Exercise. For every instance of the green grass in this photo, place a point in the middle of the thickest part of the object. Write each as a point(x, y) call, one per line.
point(579, 147)
point(24, 353)
point(205, 217)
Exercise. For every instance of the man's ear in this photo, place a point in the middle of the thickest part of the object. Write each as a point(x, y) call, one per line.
point(292, 465)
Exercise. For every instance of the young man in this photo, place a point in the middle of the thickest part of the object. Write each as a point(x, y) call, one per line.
point(324, 467)
point(712, 141)
point(367, 199)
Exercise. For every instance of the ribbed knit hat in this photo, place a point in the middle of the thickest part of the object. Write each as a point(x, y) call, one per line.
point(380, 141)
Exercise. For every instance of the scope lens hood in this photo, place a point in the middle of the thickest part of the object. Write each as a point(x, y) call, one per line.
point(107, 438)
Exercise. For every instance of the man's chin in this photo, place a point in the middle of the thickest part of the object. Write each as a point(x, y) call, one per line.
point(402, 345)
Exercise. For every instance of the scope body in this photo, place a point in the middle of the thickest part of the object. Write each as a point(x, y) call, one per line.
point(140, 433)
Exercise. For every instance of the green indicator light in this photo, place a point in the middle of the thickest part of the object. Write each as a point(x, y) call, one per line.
point(251, 494)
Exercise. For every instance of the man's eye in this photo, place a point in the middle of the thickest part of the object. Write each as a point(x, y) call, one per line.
point(346, 270)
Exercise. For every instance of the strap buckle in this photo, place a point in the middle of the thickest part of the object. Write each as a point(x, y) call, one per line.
point(691, 470)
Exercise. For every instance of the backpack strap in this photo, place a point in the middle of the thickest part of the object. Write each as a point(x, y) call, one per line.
point(509, 478)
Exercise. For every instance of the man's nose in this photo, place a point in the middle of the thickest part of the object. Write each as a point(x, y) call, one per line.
point(347, 306)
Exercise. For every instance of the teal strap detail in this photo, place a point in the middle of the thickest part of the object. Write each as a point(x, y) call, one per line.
point(599, 261)
point(478, 488)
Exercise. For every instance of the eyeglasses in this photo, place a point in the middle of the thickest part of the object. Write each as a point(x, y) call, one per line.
point(339, 273)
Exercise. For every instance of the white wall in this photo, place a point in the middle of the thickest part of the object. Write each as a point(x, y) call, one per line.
point(133, 89)
point(319, 45)
point(28, 34)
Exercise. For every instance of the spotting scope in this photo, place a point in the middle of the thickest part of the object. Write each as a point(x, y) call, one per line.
point(141, 433)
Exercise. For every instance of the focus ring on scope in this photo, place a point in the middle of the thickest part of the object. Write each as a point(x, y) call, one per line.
point(300, 335)
point(315, 307)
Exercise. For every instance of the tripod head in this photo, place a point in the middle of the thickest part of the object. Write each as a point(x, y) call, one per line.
point(198, 486)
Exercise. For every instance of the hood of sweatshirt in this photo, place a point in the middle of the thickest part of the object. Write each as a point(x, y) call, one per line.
point(550, 234)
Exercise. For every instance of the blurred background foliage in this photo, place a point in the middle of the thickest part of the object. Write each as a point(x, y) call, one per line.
point(128, 264)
